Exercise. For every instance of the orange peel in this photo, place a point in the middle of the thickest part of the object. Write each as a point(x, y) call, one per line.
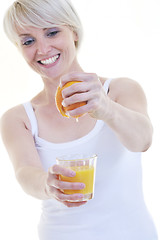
point(58, 99)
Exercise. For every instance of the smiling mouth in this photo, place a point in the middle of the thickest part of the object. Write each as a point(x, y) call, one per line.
point(50, 60)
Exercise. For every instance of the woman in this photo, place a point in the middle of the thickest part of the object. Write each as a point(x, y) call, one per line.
point(115, 126)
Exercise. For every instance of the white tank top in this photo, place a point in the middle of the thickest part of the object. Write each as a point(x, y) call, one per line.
point(117, 211)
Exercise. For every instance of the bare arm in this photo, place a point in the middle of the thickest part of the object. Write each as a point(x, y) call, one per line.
point(124, 109)
point(18, 139)
point(128, 115)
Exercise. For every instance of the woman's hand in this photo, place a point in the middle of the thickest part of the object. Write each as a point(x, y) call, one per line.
point(54, 187)
point(90, 89)
point(124, 109)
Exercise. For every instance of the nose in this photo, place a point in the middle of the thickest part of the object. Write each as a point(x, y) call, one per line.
point(43, 47)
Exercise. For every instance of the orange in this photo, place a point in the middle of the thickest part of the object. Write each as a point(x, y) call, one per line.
point(59, 99)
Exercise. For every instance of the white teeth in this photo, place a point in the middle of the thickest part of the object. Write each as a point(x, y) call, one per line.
point(50, 60)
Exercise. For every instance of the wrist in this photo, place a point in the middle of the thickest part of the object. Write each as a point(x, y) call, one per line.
point(45, 188)
point(108, 110)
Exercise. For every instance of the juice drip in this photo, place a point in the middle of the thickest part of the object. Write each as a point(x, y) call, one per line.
point(77, 119)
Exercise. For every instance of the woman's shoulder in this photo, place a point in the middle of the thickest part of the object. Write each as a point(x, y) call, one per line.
point(124, 86)
point(14, 112)
point(120, 85)
point(119, 81)
point(124, 81)
point(13, 117)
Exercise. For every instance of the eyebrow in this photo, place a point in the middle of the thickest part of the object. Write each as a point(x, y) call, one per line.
point(24, 34)
point(27, 34)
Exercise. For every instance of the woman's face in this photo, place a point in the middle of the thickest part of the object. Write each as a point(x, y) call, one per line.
point(50, 51)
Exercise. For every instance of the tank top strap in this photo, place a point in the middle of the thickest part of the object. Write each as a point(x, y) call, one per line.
point(31, 115)
point(106, 85)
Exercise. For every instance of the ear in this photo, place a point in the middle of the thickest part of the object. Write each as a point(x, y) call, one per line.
point(75, 35)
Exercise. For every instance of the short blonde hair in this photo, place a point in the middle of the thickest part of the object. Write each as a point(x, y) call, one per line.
point(41, 14)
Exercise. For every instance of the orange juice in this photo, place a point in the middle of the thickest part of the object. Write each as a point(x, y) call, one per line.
point(84, 174)
point(84, 166)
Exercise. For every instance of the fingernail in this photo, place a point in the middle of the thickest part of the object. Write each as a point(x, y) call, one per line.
point(63, 95)
point(60, 83)
point(80, 195)
point(83, 185)
point(63, 104)
point(67, 113)
point(72, 174)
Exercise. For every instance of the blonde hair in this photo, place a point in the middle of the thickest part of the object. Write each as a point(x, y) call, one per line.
point(41, 14)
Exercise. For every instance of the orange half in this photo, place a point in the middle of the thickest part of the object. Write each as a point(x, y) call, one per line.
point(59, 99)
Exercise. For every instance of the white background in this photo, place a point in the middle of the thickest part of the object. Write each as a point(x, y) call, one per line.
point(121, 38)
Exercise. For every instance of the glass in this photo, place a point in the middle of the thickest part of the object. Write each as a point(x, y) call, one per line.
point(85, 168)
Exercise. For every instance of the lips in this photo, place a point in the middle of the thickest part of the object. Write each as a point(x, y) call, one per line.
point(49, 60)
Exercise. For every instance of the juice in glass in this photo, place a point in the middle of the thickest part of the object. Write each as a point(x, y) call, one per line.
point(85, 172)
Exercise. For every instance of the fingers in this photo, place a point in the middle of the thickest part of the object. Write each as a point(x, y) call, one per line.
point(82, 91)
point(57, 169)
point(91, 106)
point(76, 98)
point(74, 204)
point(54, 181)
point(55, 187)
point(92, 99)
point(78, 87)
point(77, 76)
point(89, 90)
point(59, 195)
point(66, 185)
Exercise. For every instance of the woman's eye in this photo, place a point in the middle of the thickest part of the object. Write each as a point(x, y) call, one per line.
point(28, 42)
point(52, 33)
